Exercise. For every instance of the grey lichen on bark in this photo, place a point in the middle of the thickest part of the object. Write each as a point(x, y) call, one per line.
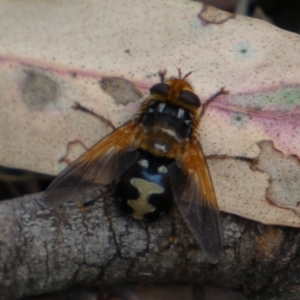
point(46, 249)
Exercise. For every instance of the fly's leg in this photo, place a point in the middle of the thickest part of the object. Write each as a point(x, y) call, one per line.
point(222, 91)
point(108, 123)
point(83, 206)
point(252, 161)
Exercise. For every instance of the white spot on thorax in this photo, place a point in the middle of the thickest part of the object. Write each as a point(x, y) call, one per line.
point(180, 113)
point(169, 132)
point(161, 107)
point(160, 147)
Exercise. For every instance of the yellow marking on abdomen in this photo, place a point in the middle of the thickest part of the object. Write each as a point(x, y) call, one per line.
point(141, 206)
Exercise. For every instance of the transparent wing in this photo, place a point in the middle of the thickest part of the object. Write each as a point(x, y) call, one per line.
point(97, 167)
point(195, 198)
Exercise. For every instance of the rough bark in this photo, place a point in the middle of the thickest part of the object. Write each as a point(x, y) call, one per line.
point(46, 249)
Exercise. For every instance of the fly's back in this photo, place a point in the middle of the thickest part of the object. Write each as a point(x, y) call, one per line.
point(168, 119)
point(169, 116)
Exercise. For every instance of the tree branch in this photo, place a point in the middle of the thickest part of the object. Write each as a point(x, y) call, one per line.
point(46, 249)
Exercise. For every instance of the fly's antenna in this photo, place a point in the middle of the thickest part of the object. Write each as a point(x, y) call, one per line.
point(179, 72)
point(162, 75)
point(187, 75)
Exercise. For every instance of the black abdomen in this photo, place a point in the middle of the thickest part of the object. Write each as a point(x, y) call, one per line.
point(144, 190)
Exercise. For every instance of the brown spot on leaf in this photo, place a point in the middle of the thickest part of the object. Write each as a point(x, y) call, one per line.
point(284, 172)
point(72, 151)
point(211, 15)
point(38, 90)
point(122, 90)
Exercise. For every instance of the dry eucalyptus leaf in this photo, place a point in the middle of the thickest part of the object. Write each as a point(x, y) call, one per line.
point(106, 54)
